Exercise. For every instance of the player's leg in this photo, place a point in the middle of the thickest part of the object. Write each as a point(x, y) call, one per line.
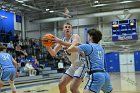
point(5, 75)
point(64, 81)
point(66, 78)
point(11, 82)
point(1, 85)
point(74, 87)
point(77, 79)
point(95, 82)
point(107, 87)
point(12, 85)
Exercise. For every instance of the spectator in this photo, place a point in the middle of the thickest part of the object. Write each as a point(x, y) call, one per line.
point(61, 66)
point(35, 64)
point(18, 50)
point(22, 62)
point(30, 69)
point(10, 47)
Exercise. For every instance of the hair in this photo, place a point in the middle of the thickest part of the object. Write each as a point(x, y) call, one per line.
point(2, 47)
point(95, 34)
point(67, 24)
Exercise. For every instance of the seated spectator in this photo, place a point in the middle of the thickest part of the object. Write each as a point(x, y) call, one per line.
point(22, 62)
point(30, 69)
point(35, 64)
point(61, 66)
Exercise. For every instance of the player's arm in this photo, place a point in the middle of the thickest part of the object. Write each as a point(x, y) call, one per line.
point(73, 49)
point(86, 48)
point(76, 39)
point(53, 51)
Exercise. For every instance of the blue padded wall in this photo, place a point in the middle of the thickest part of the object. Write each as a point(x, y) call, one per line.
point(112, 63)
point(137, 60)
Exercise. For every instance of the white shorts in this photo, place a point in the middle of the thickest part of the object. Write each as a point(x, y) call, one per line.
point(78, 71)
point(78, 68)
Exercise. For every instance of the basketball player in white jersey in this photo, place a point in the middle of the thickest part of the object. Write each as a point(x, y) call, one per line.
point(76, 71)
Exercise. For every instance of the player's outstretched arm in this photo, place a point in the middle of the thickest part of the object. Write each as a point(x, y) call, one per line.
point(75, 40)
point(73, 49)
point(53, 51)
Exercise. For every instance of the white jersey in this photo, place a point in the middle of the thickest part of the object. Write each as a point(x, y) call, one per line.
point(73, 57)
point(78, 67)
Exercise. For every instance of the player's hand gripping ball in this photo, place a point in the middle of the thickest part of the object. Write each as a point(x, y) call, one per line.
point(47, 40)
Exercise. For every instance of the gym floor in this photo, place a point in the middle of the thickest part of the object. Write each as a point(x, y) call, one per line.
point(122, 83)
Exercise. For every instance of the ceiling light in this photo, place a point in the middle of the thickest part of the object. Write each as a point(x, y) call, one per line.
point(20, 1)
point(51, 11)
point(26, 0)
point(47, 9)
point(24, 5)
point(126, 2)
point(96, 2)
point(100, 5)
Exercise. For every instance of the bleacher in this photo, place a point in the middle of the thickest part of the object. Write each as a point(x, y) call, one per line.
point(49, 71)
point(47, 74)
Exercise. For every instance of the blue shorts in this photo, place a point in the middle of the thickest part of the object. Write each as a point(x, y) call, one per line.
point(99, 81)
point(8, 74)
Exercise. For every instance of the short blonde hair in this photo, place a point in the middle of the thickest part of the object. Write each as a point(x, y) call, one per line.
point(68, 24)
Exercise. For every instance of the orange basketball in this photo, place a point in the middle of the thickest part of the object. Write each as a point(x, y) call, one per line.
point(47, 40)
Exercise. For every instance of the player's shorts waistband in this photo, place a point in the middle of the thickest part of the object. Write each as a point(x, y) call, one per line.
point(94, 71)
point(8, 68)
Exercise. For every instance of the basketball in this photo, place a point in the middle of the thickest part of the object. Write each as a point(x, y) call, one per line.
point(47, 40)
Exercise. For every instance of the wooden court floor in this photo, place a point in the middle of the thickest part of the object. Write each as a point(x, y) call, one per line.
point(122, 83)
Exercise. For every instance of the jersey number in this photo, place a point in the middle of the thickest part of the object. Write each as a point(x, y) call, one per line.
point(5, 57)
point(100, 54)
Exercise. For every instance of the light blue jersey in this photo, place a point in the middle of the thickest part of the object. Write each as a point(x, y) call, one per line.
point(95, 56)
point(8, 68)
point(98, 78)
point(6, 60)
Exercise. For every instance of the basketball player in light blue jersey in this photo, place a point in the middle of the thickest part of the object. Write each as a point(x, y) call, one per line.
point(9, 68)
point(98, 78)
